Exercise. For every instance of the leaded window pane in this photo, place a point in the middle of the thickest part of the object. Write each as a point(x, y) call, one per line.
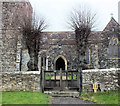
point(110, 51)
point(115, 51)
point(115, 42)
point(111, 42)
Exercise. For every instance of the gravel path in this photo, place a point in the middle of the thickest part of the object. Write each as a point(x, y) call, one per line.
point(68, 100)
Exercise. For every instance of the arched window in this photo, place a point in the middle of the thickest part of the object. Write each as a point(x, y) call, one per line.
point(114, 48)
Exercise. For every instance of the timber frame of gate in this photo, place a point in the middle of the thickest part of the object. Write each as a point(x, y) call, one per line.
point(43, 79)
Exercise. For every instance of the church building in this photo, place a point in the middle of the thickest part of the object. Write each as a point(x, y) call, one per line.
point(58, 50)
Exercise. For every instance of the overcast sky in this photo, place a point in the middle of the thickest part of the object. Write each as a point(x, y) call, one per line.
point(56, 12)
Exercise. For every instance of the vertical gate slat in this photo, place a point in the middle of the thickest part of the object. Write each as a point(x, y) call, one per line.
point(50, 80)
point(72, 79)
point(67, 78)
point(79, 80)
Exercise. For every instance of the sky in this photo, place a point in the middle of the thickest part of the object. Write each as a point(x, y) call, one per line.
point(57, 12)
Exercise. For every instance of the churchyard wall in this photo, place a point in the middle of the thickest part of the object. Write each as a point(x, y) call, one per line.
point(30, 81)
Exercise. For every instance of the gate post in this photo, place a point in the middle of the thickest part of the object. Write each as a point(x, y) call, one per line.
point(43, 78)
point(60, 78)
point(66, 78)
point(79, 79)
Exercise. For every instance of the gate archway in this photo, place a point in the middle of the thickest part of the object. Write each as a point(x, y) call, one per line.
point(60, 62)
point(60, 80)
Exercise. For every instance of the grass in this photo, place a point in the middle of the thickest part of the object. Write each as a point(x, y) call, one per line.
point(110, 97)
point(23, 97)
point(74, 77)
point(48, 77)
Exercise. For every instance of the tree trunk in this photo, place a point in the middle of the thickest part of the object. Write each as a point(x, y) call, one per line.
point(33, 63)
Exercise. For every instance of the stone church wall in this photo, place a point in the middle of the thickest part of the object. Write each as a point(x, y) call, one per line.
point(55, 44)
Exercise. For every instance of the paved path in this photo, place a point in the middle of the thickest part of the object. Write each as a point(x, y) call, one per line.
point(68, 100)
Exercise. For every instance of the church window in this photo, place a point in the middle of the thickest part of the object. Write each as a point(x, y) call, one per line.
point(114, 47)
point(115, 41)
point(115, 51)
point(110, 51)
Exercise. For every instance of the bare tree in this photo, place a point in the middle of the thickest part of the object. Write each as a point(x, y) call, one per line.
point(26, 23)
point(82, 21)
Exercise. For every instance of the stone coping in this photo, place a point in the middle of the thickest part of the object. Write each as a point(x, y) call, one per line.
point(101, 70)
point(38, 72)
point(29, 72)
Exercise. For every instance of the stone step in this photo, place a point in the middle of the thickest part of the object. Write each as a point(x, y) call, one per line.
point(62, 93)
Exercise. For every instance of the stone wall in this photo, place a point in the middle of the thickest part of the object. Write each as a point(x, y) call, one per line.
point(106, 78)
point(28, 81)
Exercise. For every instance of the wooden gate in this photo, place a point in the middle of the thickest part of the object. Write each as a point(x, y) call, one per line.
point(60, 80)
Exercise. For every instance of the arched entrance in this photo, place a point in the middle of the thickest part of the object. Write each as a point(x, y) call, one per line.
point(60, 62)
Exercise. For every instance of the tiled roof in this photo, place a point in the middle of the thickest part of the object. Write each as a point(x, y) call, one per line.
point(95, 36)
point(69, 37)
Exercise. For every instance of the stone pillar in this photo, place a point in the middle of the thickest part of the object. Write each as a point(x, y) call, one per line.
point(39, 63)
point(96, 64)
point(25, 59)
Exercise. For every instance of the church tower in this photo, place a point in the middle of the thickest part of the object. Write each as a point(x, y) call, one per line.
point(10, 48)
